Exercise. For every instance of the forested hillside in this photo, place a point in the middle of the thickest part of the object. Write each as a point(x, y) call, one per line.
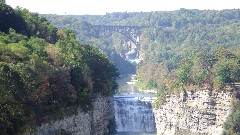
point(46, 74)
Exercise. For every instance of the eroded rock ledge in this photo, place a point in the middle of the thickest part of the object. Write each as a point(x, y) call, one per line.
point(200, 112)
point(95, 122)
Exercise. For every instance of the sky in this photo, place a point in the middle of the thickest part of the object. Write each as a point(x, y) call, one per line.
point(99, 7)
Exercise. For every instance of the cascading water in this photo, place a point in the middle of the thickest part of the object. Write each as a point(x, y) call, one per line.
point(134, 114)
point(133, 109)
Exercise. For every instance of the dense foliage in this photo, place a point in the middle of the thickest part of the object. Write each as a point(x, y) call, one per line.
point(231, 125)
point(168, 39)
point(45, 73)
point(107, 41)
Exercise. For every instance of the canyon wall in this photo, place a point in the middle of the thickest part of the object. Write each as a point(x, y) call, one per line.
point(200, 112)
point(95, 122)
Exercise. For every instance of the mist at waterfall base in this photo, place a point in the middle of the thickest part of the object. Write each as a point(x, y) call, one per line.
point(133, 110)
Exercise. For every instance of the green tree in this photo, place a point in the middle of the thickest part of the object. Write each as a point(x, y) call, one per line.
point(184, 72)
point(37, 26)
point(14, 113)
point(2, 1)
point(227, 71)
point(10, 19)
point(231, 125)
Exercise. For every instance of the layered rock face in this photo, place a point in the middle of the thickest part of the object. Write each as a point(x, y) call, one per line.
point(201, 112)
point(95, 122)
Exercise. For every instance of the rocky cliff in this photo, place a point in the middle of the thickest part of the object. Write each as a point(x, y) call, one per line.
point(201, 112)
point(95, 122)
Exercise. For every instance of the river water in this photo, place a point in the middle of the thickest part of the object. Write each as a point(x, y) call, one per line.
point(133, 109)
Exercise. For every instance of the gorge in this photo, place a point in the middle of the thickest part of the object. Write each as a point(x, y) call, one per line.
point(200, 112)
point(162, 49)
point(133, 108)
point(179, 73)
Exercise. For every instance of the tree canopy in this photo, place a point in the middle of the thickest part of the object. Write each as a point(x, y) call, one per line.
point(46, 74)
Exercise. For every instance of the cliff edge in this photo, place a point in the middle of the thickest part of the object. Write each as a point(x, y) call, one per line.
point(200, 112)
point(98, 121)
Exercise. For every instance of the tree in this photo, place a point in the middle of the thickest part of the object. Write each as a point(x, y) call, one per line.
point(2, 1)
point(227, 71)
point(231, 125)
point(13, 113)
point(9, 19)
point(184, 72)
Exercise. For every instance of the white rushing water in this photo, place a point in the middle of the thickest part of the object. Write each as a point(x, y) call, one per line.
point(133, 109)
point(134, 114)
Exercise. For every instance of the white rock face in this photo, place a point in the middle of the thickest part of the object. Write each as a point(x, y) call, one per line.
point(92, 123)
point(201, 112)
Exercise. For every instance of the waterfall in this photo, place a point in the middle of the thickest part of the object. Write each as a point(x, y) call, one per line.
point(134, 114)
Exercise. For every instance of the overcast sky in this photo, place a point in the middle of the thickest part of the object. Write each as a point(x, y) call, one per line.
point(97, 7)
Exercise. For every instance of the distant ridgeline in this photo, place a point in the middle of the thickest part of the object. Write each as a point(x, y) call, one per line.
point(165, 36)
point(46, 74)
point(181, 50)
